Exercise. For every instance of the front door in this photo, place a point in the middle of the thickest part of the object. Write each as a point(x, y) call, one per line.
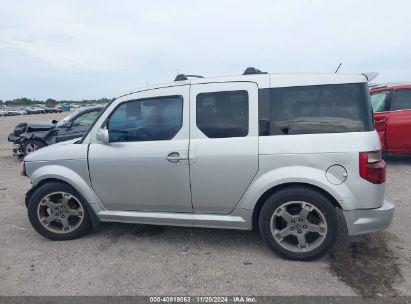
point(223, 144)
point(398, 130)
point(145, 165)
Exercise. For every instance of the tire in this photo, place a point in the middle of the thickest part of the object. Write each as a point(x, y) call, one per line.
point(56, 221)
point(297, 215)
point(31, 145)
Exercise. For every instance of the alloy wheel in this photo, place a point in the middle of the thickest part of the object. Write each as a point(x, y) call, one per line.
point(31, 147)
point(60, 212)
point(298, 226)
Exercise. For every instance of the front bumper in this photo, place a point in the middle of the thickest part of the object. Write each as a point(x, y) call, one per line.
point(12, 137)
point(370, 220)
point(17, 150)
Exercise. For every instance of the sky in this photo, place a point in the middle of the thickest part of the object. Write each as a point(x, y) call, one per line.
point(91, 49)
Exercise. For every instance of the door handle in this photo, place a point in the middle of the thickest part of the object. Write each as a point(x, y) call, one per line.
point(380, 121)
point(174, 157)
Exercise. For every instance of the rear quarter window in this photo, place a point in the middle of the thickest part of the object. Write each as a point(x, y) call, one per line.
point(316, 109)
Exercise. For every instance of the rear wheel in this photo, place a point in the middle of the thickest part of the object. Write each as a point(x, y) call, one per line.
point(58, 212)
point(299, 223)
point(31, 145)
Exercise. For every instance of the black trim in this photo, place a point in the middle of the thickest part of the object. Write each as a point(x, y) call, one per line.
point(182, 77)
point(253, 71)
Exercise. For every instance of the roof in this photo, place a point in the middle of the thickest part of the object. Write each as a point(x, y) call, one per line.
point(392, 85)
point(267, 80)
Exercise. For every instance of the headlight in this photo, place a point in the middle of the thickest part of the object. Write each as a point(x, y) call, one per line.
point(22, 169)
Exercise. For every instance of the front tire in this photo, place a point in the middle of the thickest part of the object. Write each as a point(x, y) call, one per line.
point(58, 212)
point(31, 145)
point(299, 223)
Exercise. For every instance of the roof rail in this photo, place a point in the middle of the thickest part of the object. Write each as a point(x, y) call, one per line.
point(252, 70)
point(181, 77)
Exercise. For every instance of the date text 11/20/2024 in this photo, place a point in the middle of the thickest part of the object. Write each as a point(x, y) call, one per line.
point(203, 299)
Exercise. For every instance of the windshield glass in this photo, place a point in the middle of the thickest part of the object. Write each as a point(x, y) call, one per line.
point(67, 118)
point(379, 101)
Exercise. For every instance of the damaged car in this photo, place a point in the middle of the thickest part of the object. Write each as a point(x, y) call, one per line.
point(29, 137)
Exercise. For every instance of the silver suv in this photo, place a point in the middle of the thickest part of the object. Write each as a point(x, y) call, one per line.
point(295, 156)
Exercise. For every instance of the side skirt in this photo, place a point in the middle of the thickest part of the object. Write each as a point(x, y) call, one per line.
point(239, 219)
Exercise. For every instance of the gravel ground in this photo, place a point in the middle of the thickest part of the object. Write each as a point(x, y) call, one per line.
point(123, 259)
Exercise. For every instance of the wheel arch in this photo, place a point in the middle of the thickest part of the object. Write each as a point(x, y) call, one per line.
point(94, 219)
point(41, 183)
point(75, 176)
point(24, 140)
point(262, 199)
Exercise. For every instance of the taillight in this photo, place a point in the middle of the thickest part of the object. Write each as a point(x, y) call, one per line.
point(372, 167)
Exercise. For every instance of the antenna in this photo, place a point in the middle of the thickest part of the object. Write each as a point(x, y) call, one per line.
point(338, 68)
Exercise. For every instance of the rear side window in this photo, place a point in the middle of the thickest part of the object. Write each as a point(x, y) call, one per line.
point(402, 100)
point(223, 114)
point(316, 109)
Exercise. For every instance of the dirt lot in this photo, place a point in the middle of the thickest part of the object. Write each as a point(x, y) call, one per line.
point(123, 259)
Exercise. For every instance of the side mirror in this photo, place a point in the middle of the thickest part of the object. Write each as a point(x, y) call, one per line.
point(102, 136)
point(68, 124)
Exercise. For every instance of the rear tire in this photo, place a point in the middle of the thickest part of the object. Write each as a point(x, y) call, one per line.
point(58, 212)
point(299, 223)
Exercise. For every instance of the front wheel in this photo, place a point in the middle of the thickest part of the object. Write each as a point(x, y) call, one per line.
point(299, 223)
point(58, 212)
point(31, 145)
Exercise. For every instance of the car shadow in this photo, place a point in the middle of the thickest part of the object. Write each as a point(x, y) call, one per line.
point(112, 233)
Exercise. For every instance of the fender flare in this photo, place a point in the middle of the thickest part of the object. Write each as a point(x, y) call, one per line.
point(63, 174)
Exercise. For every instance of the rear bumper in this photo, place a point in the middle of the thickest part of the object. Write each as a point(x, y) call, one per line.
point(370, 220)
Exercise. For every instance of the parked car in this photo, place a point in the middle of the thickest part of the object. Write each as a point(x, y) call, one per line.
point(22, 112)
point(29, 137)
point(392, 116)
point(9, 112)
point(284, 153)
point(38, 110)
point(56, 110)
point(31, 110)
point(48, 109)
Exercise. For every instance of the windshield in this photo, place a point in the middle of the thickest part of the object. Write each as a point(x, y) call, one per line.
point(379, 101)
point(67, 118)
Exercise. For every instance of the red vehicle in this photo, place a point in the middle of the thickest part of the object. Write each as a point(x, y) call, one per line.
point(56, 110)
point(392, 116)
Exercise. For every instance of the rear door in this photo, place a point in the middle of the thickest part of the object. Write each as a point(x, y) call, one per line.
point(223, 144)
point(398, 130)
point(380, 102)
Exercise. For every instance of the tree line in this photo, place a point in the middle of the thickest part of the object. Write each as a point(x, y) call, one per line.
point(50, 102)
